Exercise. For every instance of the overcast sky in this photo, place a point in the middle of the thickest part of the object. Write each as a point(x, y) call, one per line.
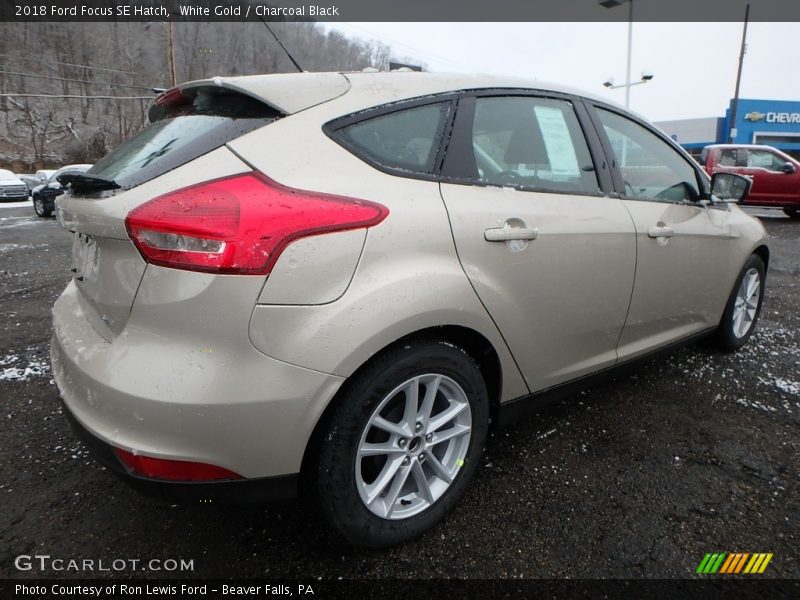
point(694, 64)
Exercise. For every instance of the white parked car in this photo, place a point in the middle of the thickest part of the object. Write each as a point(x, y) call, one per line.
point(12, 188)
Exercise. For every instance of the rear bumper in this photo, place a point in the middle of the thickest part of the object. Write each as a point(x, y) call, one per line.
point(265, 489)
point(153, 394)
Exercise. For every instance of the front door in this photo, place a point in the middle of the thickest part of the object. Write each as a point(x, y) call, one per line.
point(681, 242)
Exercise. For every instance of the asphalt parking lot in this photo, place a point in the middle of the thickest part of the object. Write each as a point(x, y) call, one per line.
point(694, 453)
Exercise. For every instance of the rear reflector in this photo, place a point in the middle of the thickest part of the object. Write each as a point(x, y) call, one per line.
point(239, 224)
point(172, 470)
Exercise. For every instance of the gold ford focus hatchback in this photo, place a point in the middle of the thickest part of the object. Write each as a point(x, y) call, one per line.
point(335, 283)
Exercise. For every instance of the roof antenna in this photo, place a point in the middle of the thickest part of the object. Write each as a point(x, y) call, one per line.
point(291, 58)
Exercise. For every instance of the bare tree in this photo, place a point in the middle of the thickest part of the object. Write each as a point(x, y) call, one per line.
point(91, 59)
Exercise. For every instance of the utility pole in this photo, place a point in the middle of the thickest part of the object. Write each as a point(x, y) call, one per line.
point(732, 124)
point(171, 54)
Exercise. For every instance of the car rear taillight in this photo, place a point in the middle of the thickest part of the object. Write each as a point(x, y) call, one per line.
point(172, 97)
point(239, 224)
point(172, 470)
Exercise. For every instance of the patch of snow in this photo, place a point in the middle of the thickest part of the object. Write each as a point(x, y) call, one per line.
point(790, 387)
point(35, 368)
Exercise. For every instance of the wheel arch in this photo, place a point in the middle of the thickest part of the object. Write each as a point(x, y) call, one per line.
point(477, 346)
point(762, 252)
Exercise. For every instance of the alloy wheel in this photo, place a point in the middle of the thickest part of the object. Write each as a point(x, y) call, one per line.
point(413, 446)
point(746, 303)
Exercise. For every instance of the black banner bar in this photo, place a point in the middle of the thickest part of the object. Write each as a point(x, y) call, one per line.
point(728, 588)
point(397, 10)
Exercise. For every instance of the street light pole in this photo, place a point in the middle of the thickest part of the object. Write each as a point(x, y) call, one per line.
point(628, 83)
point(630, 52)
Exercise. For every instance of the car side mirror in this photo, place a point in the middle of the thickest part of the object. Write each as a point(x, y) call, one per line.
point(729, 187)
point(789, 168)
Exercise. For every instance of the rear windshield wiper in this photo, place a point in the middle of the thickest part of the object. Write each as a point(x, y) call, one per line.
point(84, 182)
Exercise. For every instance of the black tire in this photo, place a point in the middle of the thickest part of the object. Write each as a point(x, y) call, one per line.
point(40, 207)
point(726, 337)
point(333, 476)
point(792, 213)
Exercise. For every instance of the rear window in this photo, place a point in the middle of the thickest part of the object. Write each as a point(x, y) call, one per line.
point(199, 124)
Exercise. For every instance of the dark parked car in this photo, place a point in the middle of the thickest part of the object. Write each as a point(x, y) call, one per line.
point(44, 196)
point(41, 176)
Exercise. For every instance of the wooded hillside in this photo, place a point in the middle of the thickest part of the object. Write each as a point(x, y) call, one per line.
point(129, 59)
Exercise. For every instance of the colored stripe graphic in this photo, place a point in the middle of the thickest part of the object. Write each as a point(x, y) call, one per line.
point(732, 563)
point(740, 564)
point(726, 567)
point(703, 563)
point(749, 568)
point(717, 564)
point(765, 563)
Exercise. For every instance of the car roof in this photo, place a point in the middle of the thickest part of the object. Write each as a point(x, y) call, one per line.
point(293, 92)
point(754, 146)
point(415, 84)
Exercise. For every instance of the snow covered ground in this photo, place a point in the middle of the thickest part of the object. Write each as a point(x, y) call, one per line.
point(16, 204)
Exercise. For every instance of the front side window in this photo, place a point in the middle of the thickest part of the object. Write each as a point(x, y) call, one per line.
point(764, 159)
point(406, 139)
point(533, 143)
point(651, 169)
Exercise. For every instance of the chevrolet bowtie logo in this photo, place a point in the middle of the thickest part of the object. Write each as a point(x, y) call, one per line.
point(754, 116)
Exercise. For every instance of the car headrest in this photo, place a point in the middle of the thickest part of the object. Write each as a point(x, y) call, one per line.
point(526, 146)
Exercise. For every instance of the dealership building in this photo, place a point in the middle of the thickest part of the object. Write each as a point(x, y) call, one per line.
point(771, 122)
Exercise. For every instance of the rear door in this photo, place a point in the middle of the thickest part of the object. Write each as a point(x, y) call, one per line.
point(683, 244)
point(551, 256)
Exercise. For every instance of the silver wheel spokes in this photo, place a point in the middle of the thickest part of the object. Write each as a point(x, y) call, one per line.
point(746, 303)
point(413, 446)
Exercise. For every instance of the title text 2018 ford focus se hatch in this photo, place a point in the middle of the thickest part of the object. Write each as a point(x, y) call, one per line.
point(336, 282)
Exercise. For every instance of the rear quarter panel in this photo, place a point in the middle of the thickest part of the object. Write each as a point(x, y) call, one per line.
point(408, 278)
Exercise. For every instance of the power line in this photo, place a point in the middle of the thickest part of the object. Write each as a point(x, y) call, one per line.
point(95, 68)
point(33, 58)
point(76, 97)
point(31, 75)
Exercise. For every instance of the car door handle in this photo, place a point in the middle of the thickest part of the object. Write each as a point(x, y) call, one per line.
point(660, 232)
point(507, 234)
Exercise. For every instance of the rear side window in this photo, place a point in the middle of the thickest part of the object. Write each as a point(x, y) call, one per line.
point(531, 143)
point(406, 139)
point(191, 127)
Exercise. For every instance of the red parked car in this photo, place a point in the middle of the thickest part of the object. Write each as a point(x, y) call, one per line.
point(775, 175)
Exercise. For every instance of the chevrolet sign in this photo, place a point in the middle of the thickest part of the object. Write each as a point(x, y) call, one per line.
point(783, 117)
point(773, 117)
